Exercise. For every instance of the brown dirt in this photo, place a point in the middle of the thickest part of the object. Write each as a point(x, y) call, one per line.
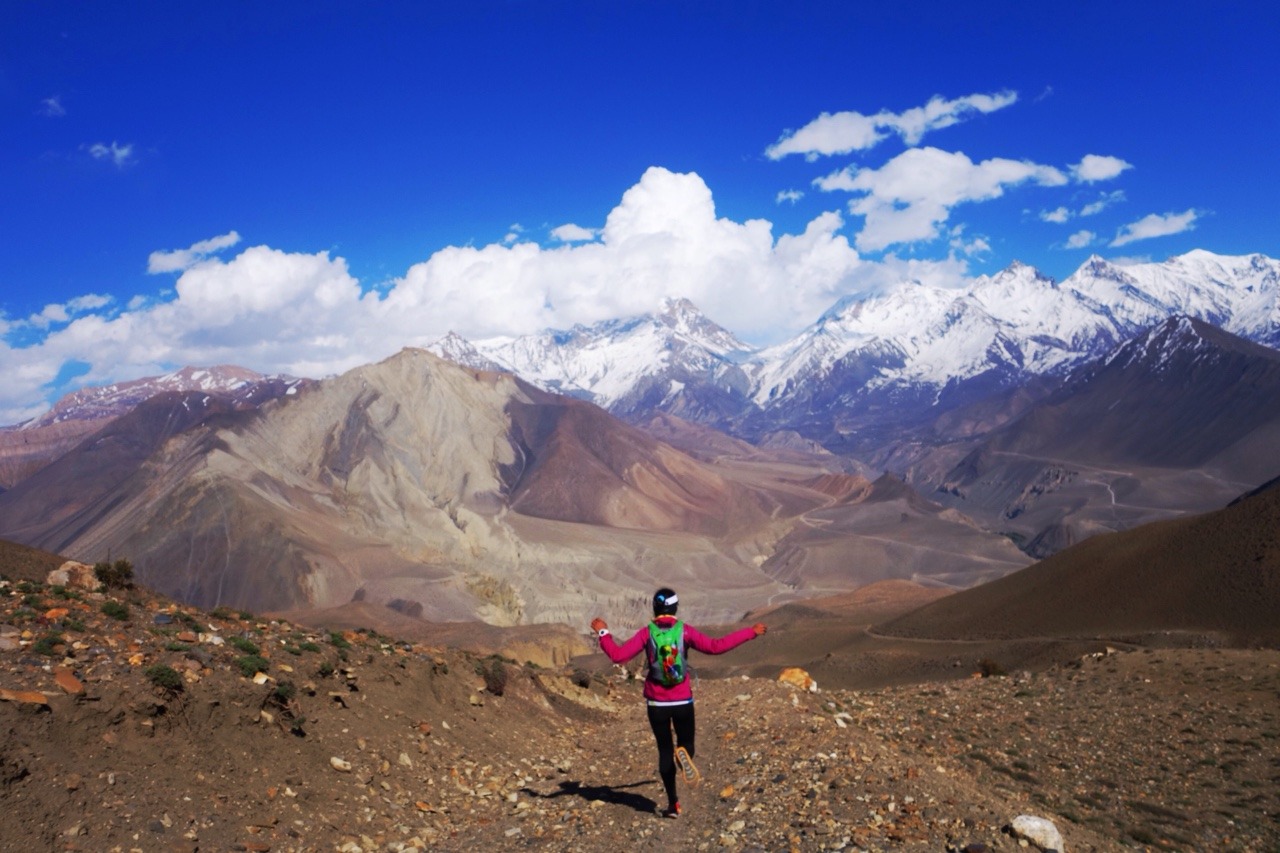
point(1166, 749)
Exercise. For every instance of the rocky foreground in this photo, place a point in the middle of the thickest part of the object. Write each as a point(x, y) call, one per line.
point(131, 723)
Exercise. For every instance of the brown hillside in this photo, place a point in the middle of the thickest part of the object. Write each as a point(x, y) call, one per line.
point(1218, 572)
point(26, 564)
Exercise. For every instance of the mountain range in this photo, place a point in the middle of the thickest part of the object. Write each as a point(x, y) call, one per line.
point(881, 360)
point(918, 434)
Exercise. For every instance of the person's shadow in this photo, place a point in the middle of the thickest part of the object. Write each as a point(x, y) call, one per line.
point(617, 794)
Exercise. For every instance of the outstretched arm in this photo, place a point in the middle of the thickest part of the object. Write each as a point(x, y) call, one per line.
point(617, 653)
point(719, 645)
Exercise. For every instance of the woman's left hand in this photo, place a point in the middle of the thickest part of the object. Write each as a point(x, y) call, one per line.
point(759, 628)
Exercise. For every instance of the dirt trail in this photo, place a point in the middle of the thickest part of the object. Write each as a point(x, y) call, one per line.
point(353, 741)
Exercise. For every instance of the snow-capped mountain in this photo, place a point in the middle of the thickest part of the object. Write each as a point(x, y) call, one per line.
point(108, 401)
point(674, 360)
point(899, 354)
point(1019, 322)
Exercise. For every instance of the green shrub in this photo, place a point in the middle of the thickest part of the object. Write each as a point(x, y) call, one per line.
point(117, 575)
point(177, 647)
point(247, 646)
point(47, 645)
point(309, 647)
point(338, 640)
point(251, 665)
point(284, 693)
point(116, 610)
point(495, 677)
point(73, 624)
point(325, 670)
point(165, 677)
point(33, 601)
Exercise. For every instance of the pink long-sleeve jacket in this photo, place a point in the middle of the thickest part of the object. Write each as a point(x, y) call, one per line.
point(679, 694)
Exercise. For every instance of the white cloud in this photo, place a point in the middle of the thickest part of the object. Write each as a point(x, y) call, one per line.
point(570, 233)
point(1060, 215)
point(1105, 201)
point(305, 314)
point(843, 132)
point(1155, 225)
point(1080, 239)
point(911, 196)
point(969, 247)
point(1095, 167)
point(792, 196)
point(57, 313)
point(177, 260)
point(52, 107)
point(119, 155)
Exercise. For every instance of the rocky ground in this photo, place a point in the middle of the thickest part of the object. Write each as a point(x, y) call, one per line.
point(132, 723)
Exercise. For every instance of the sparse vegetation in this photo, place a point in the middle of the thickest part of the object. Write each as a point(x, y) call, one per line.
point(494, 673)
point(48, 644)
point(245, 645)
point(117, 575)
point(164, 677)
point(251, 665)
point(116, 610)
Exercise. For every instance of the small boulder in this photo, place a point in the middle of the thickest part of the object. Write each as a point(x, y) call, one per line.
point(798, 678)
point(74, 575)
point(1039, 832)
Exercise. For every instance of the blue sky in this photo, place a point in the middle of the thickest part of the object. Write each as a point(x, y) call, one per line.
point(305, 187)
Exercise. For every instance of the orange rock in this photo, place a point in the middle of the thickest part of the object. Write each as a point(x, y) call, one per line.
point(797, 677)
point(74, 575)
point(56, 613)
point(30, 697)
point(67, 681)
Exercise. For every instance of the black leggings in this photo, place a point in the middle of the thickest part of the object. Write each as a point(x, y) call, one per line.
point(662, 718)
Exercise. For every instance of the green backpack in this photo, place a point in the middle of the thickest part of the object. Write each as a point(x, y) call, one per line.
point(666, 654)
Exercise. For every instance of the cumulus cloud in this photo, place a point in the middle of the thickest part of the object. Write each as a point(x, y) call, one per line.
point(115, 153)
point(1058, 215)
point(570, 233)
point(305, 314)
point(844, 132)
point(176, 260)
point(1156, 225)
point(52, 107)
point(909, 198)
point(1095, 167)
point(1080, 239)
point(792, 196)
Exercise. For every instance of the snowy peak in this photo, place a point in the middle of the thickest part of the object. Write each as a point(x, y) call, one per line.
point(457, 349)
point(612, 362)
point(109, 401)
point(1180, 341)
point(686, 321)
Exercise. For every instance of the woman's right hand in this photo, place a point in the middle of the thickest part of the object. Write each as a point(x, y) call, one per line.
point(598, 625)
point(759, 628)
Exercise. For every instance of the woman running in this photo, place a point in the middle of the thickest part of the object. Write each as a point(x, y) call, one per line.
point(666, 686)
